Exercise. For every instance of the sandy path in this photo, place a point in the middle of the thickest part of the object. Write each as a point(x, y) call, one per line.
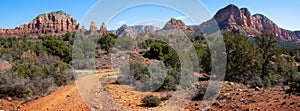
point(67, 98)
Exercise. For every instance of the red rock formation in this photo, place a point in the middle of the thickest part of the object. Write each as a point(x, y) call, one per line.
point(231, 18)
point(93, 28)
point(190, 29)
point(173, 24)
point(1, 30)
point(103, 30)
point(82, 30)
point(55, 22)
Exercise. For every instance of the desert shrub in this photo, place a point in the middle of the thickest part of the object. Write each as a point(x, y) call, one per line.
point(38, 65)
point(107, 42)
point(28, 71)
point(168, 84)
point(254, 82)
point(201, 89)
point(145, 44)
point(140, 73)
point(242, 58)
point(159, 51)
point(136, 71)
point(28, 81)
point(59, 71)
point(69, 37)
point(295, 85)
point(45, 65)
point(171, 81)
point(204, 57)
point(172, 60)
point(13, 85)
point(168, 55)
point(198, 39)
point(201, 94)
point(58, 48)
point(68, 75)
point(124, 43)
point(282, 72)
point(41, 85)
point(266, 45)
point(163, 52)
point(151, 101)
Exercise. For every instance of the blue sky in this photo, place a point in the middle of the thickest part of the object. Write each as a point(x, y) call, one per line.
point(16, 12)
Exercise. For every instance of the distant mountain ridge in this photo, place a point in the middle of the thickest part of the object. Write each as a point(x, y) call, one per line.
point(135, 30)
point(229, 18)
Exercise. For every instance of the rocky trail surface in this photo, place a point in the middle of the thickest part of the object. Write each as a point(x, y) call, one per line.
point(67, 98)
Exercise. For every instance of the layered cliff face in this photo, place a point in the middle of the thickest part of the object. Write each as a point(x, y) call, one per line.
point(54, 22)
point(231, 18)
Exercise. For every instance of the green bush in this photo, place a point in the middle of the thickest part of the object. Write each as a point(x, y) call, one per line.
point(124, 43)
point(242, 58)
point(254, 82)
point(38, 65)
point(295, 85)
point(283, 72)
point(165, 53)
point(136, 70)
point(28, 71)
point(172, 79)
point(58, 48)
point(145, 44)
point(107, 42)
point(168, 55)
point(204, 57)
point(151, 101)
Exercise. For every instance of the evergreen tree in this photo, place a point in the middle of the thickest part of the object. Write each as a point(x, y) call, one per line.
point(267, 48)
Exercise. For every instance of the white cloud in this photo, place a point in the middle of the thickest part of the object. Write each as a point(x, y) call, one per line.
point(121, 22)
point(182, 17)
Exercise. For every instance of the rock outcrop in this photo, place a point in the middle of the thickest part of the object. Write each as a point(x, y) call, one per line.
point(82, 30)
point(49, 23)
point(93, 28)
point(231, 18)
point(103, 30)
point(174, 24)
